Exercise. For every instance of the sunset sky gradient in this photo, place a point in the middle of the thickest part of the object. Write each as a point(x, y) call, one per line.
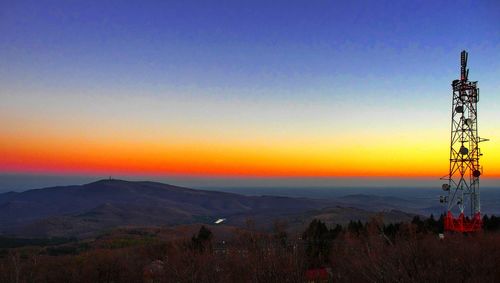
point(241, 88)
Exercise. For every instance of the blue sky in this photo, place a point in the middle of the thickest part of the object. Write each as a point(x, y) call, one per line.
point(242, 44)
point(286, 76)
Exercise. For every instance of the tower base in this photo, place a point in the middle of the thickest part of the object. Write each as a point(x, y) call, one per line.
point(463, 224)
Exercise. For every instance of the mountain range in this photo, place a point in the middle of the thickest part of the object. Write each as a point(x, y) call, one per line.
point(85, 210)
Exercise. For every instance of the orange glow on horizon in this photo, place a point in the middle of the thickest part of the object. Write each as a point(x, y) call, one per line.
point(259, 159)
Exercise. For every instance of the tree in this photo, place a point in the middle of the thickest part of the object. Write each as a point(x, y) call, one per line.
point(279, 234)
point(318, 241)
point(202, 241)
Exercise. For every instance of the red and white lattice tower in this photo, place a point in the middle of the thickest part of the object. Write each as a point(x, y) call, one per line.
point(462, 200)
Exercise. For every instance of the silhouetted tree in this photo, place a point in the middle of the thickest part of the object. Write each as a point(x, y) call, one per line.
point(202, 241)
point(317, 239)
point(355, 227)
point(491, 224)
point(280, 234)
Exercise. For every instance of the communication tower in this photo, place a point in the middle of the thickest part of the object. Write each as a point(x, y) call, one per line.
point(462, 189)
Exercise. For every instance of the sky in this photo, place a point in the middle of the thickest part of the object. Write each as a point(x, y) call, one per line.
point(232, 92)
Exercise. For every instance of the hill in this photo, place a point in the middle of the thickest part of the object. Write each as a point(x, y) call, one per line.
point(88, 209)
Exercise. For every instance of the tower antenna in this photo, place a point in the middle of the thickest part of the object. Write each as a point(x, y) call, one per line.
point(462, 189)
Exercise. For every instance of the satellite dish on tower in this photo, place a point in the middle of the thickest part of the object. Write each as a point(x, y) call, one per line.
point(464, 150)
point(468, 122)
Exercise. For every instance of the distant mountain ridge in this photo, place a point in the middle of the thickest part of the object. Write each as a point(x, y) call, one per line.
point(109, 203)
point(86, 210)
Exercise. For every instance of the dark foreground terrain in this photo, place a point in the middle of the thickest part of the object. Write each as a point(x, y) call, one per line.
point(356, 252)
point(120, 231)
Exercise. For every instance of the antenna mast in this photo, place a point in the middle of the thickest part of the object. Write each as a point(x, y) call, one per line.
point(462, 189)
